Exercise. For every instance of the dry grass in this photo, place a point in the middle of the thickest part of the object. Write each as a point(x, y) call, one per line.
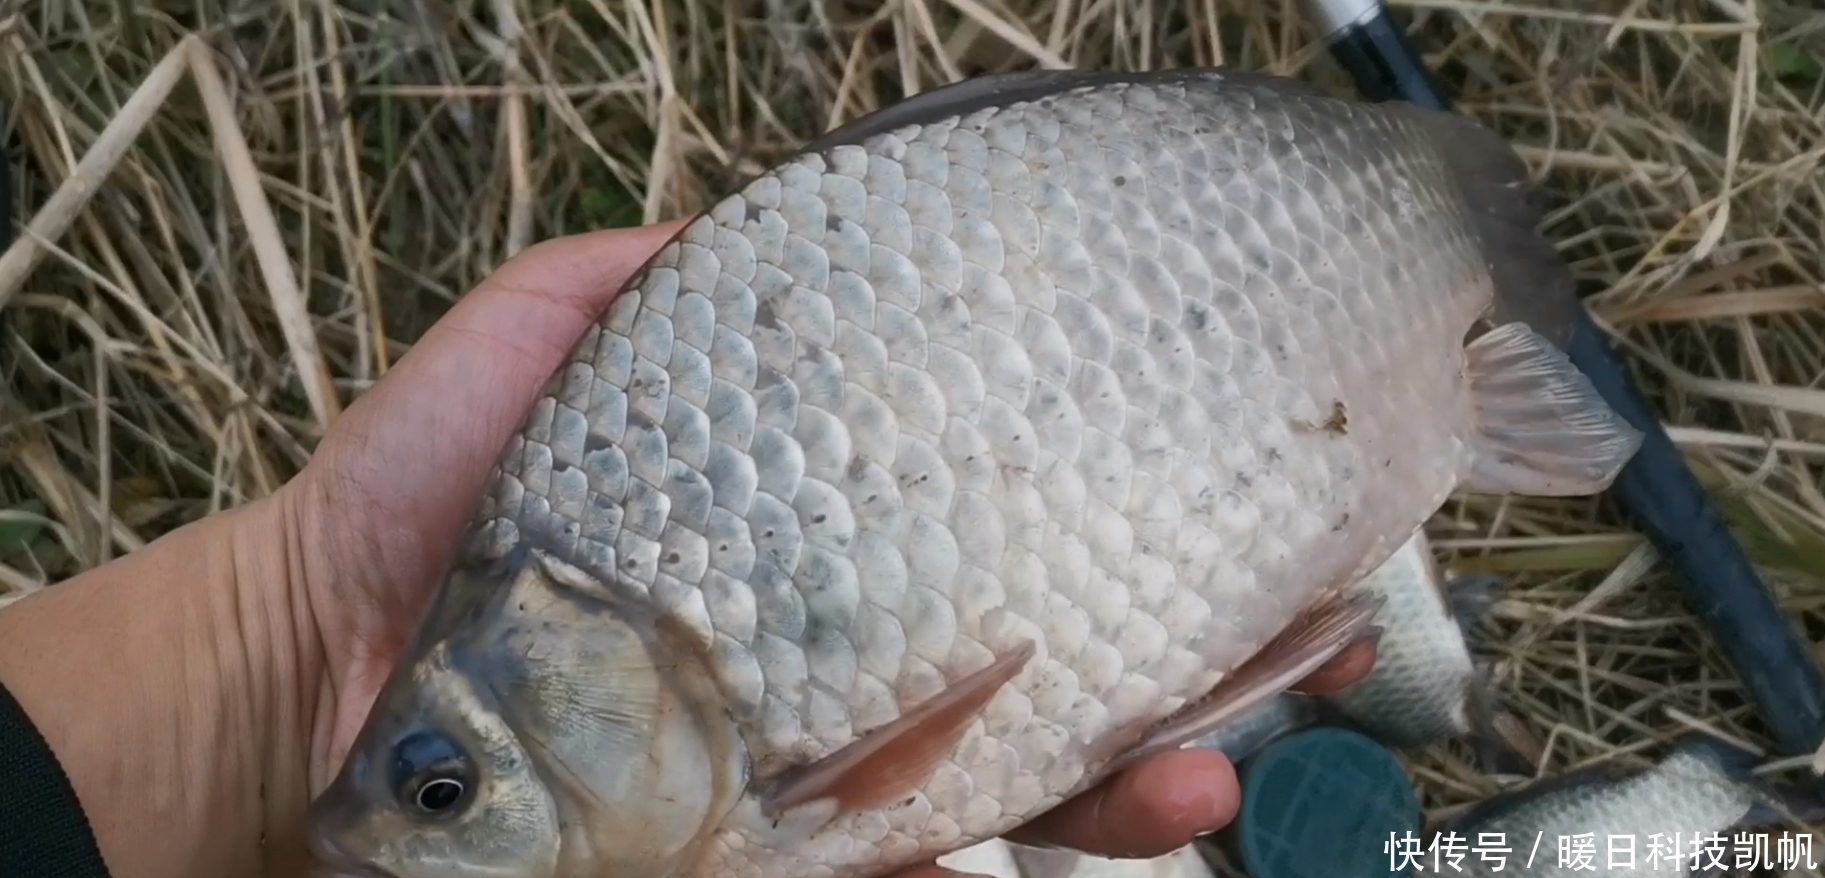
point(274, 238)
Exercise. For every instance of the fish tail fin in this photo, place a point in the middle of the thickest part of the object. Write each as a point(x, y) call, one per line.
point(1777, 805)
point(1533, 283)
point(1470, 598)
point(1502, 744)
point(1541, 427)
point(1787, 805)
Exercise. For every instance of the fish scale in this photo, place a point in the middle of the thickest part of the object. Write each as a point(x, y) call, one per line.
point(971, 557)
point(912, 488)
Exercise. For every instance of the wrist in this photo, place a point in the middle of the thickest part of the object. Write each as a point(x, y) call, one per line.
point(164, 687)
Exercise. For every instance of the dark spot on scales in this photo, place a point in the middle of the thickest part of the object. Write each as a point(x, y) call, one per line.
point(833, 223)
point(1338, 424)
point(819, 518)
point(672, 558)
point(1121, 180)
point(751, 213)
point(592, 442)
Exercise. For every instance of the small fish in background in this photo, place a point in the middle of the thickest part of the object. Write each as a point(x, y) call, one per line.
point(1702, 785)
point(1024, 429)
point(1427, 686)
point(1283, 714)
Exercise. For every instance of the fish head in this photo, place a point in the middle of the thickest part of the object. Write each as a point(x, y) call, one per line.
point(535, 728)
point(438, 781)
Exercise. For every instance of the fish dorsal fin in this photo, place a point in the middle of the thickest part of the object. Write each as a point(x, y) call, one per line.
point(1541, 427)
point(1005, 89)
point(1533, 283)
point(886, 764)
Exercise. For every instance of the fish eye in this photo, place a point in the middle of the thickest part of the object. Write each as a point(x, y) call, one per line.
point(430, 773)
point(438, 794)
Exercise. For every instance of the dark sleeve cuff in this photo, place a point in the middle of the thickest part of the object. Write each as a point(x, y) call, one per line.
point(43, 832)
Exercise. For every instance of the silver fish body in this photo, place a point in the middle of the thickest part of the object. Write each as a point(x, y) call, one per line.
point(1650, 818)
point(952, 462)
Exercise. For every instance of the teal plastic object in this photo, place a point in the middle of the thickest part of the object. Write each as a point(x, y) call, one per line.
point(1324, 803)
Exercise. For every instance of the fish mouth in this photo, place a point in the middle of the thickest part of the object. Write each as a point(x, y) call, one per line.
point(336, 862)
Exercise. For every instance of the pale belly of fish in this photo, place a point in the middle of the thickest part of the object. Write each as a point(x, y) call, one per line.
point(950, 462)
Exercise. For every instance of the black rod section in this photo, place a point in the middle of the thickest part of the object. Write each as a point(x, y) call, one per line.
point(6, 181)
point(1655, 489)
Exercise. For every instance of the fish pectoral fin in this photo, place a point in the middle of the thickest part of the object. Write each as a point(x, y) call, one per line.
point(1315, 637)
point(1542, 429)
point(895, 759)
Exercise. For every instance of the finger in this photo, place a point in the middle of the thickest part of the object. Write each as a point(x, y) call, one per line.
point(1148, 810)
point(1347, 667)
point(417, 447)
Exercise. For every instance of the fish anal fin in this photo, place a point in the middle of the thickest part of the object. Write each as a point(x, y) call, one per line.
point(1315, 637)
point(1541, 427)
point(890, 762)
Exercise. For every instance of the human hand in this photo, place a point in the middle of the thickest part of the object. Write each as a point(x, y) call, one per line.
point(391, 487)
